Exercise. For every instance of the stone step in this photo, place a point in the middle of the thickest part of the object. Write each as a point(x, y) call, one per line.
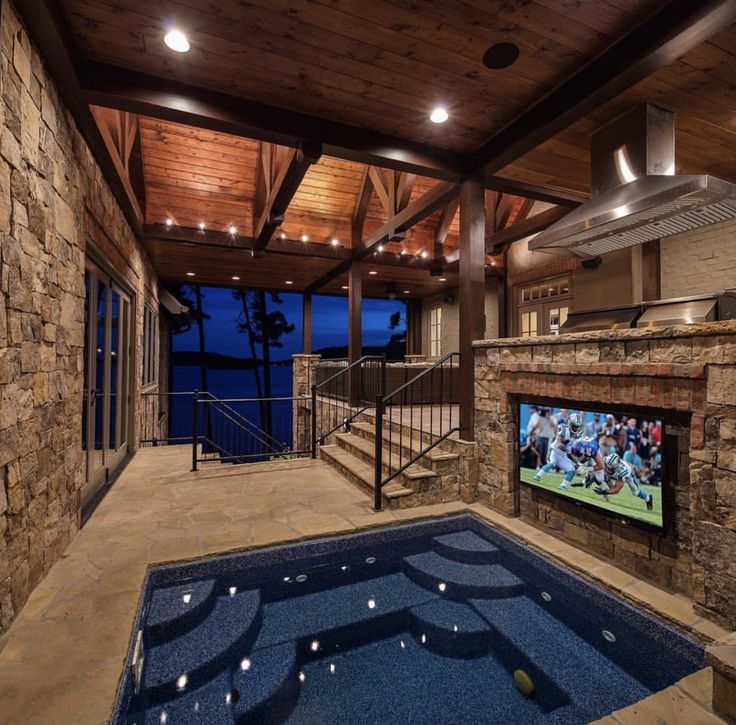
point(266, 685)
point(365, 450)
point(175, 610)
point(408, 445)
point(528, 637)
point(456, 580)
point(466, 547)
point(230, 627)
point(450, 628)
point(361, 473)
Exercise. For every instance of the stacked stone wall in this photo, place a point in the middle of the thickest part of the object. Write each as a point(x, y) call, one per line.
point(54, 206)
point(686, 373)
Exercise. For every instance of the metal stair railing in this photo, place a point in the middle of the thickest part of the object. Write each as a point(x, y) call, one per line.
point(331, 409)
point(224, 427)
point(434, 383)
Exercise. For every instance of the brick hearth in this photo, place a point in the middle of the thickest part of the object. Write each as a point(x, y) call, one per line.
point(686, 374)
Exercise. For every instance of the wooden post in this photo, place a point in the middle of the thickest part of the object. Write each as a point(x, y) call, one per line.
point(472, 295)
point(355, 342)
point(307, 324)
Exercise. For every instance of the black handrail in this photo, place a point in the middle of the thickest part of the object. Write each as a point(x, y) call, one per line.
point(335, 393)
point(413, 392)
point(235, 438)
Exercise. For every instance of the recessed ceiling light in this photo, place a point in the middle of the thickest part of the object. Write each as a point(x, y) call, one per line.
point(335, 242)
point(282, 236)
point(380, 247)
point(403, 252)
point(304, 237)
point(443, 279)
point(500, 55)
point(406, 292)
point(169, 222)
point(233, 231)
point(373, 271)
point(201, 226)
point(344, 287)
point(176, 40)
point(423, 255)
point(235, 278)
point(288, 281)
point(190, 274)
point(439, 115)
point(493, 264)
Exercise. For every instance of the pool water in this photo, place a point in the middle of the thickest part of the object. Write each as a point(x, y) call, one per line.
point(423, 623)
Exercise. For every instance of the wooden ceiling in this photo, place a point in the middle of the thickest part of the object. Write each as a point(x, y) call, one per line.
point(268, 123)
point(381, 65)
point(700, 88)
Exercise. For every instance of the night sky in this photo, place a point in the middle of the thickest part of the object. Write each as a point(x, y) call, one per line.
point(329, 323)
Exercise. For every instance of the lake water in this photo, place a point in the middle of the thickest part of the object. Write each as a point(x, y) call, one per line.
point(232, 383)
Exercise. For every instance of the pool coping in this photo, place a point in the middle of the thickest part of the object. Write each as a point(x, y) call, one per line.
point(604, 578)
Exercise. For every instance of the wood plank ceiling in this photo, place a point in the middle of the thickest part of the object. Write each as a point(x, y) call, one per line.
point(380, 65)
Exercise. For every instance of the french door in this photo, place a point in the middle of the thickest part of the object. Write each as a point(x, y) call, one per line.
point(107, 377)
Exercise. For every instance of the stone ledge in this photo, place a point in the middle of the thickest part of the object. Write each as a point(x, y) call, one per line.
point(656, 370)
point(705, 329)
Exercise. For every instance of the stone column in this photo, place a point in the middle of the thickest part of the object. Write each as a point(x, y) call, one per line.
point(303, 377)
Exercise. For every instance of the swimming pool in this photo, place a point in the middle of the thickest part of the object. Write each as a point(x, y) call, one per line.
point(421, 623)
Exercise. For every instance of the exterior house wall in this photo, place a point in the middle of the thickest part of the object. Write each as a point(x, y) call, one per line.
point(701, 261)
point(685, 372)
point(451, 316)
point(54, 206)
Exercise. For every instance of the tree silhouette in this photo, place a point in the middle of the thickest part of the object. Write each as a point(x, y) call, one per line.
point(264, 328)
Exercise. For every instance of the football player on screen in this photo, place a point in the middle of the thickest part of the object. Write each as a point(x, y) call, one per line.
point(620, 472)
point(558, 456)
point(586, 453)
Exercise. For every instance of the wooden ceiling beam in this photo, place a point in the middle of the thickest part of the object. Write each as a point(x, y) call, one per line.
point(287, 173)
point(163, 98)
point(443, 227)
point(496, 242)
point(533, 191)
point(435, 198)
point(404, 187)
point(674, 29)
point(503, 210)
point(362, 202)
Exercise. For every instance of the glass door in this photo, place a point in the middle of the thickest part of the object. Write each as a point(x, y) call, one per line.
point(542, 307)
point(106, 409)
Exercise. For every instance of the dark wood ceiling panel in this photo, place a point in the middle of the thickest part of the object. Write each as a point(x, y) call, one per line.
point(381, 64)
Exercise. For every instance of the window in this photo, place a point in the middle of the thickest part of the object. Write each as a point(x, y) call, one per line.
point(542, 307)
point(150, 346)
point(435, 331)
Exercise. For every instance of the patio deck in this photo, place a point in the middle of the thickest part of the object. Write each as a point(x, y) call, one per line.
point(62, 659)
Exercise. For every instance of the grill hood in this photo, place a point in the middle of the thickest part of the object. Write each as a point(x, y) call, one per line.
point(636, 196)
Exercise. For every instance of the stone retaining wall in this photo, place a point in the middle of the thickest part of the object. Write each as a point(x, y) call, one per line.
point(54, 204)
point(686, 372)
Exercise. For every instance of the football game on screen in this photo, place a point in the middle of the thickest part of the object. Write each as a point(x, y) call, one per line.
point(612, 461)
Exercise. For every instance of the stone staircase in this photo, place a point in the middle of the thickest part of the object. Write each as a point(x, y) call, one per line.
point(433, 478)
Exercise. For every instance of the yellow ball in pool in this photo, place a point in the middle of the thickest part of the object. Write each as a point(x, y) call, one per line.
point(524, 683)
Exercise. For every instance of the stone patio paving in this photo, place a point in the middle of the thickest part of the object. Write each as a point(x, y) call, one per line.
point(62, 659)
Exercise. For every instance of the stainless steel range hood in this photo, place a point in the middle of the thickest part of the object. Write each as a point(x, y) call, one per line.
point(636, 196)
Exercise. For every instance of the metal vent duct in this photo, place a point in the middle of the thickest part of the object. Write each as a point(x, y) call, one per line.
point(636, 195)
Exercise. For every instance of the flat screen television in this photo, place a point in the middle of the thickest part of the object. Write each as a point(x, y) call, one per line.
point(609, 461)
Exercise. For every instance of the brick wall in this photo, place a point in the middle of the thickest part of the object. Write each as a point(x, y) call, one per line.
point(685, 372)
point(54, 203)
point(702, 261)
